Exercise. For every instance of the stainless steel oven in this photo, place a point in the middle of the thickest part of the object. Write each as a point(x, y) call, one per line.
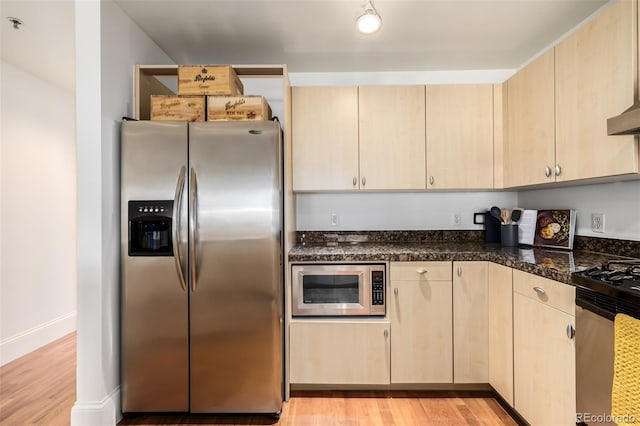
point(601, 294)
point(338, 290)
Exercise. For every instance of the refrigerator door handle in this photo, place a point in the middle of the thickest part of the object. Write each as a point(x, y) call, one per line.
point(193, 227)
point(176, 225)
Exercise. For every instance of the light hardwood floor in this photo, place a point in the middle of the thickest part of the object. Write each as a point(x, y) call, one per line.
point(39, 388)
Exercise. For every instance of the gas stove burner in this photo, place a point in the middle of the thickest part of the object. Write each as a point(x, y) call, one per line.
point(619, 279)
point(632, 264)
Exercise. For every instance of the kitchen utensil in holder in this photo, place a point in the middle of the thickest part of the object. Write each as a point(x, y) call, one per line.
point(509, 235)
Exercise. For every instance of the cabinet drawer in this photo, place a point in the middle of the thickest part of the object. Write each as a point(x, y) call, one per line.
point(409, 271)
point(555, 294)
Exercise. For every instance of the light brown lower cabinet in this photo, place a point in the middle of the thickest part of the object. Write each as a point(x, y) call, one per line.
point(339, 352)
point(460, 322)
point(501, 330)
point(420, 307)
point(470, 322)
point(544, 351)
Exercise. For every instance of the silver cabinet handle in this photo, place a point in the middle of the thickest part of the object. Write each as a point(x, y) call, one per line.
point(364, 181)
point(177, 224)
point(386, 333)
point(395, 291)
point(432, 180)
point(547, 171)
point(571, 332)
point(355, 181)
point(539, 290)
point(193, 227)
point(558, 170)
point(459, 271)
point(421, 271)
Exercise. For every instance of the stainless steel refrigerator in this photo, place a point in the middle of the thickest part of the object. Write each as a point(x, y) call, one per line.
point(202, 278)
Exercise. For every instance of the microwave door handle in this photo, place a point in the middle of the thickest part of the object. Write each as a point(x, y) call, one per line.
point(193, 227)
point(176, 225)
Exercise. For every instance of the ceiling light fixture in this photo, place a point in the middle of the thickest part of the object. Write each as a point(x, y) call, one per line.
point(15, 22)
point(369, 22)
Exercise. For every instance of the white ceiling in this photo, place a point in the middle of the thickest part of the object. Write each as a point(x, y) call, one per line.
point(45, 44)
point(308, 35)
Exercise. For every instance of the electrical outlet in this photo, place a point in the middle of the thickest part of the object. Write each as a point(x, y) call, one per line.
point(334, 219)
point(457, 219)
point(597, 222)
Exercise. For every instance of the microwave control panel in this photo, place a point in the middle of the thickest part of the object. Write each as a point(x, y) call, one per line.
point(377, 288)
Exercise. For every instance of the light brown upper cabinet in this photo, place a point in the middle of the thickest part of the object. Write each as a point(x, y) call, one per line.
point(595, 71)
point(459, 123)
point(325, 138)
point(557, 106)
point(392, 142)
point(529, 151)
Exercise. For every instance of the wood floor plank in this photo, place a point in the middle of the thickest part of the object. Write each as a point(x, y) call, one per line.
point(40, 389)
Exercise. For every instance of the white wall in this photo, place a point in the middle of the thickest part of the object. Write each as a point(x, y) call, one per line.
point(108, 45)
point(38, 213)
point(395, 211)
point(620, 202)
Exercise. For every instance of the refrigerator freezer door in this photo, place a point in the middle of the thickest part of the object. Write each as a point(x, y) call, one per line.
point(236, 299)
point(154, 328)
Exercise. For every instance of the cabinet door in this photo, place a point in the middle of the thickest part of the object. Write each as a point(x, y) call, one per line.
point(339, 352)
point(459, 122)
point(421, 326)
point(595, 75)
point(530, 142)
point(325, 138)
point(501, 330)
point(544, 363)
point(470, 322)
point(392, 143)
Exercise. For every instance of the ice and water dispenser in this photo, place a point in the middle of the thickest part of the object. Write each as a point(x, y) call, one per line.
point(150, 228)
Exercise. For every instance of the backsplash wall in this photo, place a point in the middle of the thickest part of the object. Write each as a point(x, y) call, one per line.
point(620, 203)
point(395, 211)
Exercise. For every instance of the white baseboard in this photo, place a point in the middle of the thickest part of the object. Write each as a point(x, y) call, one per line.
point(97, 413)
point(29, 340)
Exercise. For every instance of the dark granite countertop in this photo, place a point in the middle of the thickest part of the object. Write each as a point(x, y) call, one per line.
point(553, 264)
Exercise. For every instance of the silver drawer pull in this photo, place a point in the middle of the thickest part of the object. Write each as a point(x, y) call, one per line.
point(386, 333)
point(395, 291)
point(539, 290)
point(571, 332)
point(421, 271)
point(557, 170)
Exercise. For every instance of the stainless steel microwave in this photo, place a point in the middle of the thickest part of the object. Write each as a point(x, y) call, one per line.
point(338, 290)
